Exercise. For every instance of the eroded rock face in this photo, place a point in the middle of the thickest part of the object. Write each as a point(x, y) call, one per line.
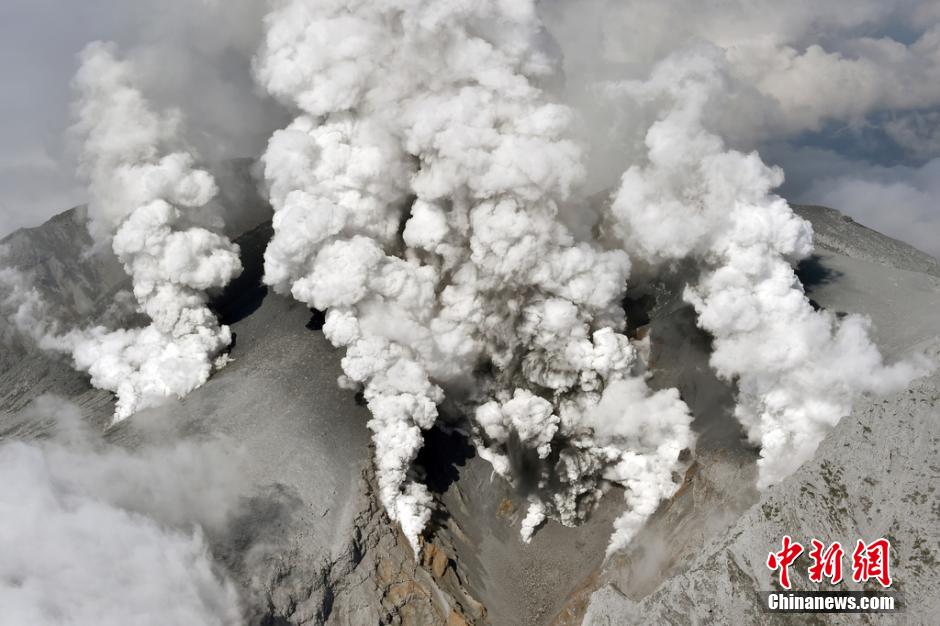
point(373, 579)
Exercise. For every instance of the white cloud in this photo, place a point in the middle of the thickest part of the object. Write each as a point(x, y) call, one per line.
point(95, 535)
point(903, 202)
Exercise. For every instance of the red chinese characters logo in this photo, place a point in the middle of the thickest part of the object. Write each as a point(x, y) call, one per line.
point(869, 561)
point(826, 563)
point(784, 559)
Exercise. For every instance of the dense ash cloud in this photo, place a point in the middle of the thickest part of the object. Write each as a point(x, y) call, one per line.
point(470, 189)
point(94, 534)
point(472, 152)
point(484, 297)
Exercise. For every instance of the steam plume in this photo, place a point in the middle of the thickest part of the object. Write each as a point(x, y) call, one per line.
point(798, 371)
point(427, 194)
point(144, 184)
point(484, 294)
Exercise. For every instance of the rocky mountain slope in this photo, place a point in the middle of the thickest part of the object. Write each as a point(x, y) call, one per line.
point(309, 543)
point(875, 475)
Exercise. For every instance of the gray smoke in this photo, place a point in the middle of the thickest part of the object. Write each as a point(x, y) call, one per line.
point(93, 534)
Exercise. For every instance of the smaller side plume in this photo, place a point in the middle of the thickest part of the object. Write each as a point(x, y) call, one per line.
point(653, 428)
point(798, 370)
point(146, 197)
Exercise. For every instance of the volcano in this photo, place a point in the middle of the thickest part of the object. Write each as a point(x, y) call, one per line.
point(309, 542)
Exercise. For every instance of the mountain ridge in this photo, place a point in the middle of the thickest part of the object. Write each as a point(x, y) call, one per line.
point(336, 558)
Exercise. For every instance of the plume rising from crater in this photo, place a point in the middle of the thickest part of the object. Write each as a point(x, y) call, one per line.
point(417, 199)
point(431, 194)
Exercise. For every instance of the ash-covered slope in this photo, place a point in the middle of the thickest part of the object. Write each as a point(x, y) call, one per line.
point(80, 284)
point(836, 232)
point(75, 278)
point(89, 288)
point(874, 475)
point(309, 543)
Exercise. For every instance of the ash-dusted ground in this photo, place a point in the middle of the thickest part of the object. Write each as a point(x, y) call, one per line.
point(308, 543)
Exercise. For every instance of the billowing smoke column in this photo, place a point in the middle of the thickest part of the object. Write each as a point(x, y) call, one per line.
point(425, 196)
point(417, 199)
point(797, 370)
point(145, 190)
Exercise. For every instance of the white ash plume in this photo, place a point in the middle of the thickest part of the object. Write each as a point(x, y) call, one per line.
point(535, 516)
point(430, 116)
point(145, 193)
point(798, 371)
point(654, 427)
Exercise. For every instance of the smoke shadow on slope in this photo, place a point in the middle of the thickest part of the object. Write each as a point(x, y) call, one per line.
point(244, 295)
point(262, 521)
point(442, 457)
point(317, 320)
point(255, 541)
point(812, 273)
point(679, 358)
point(637, 308)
